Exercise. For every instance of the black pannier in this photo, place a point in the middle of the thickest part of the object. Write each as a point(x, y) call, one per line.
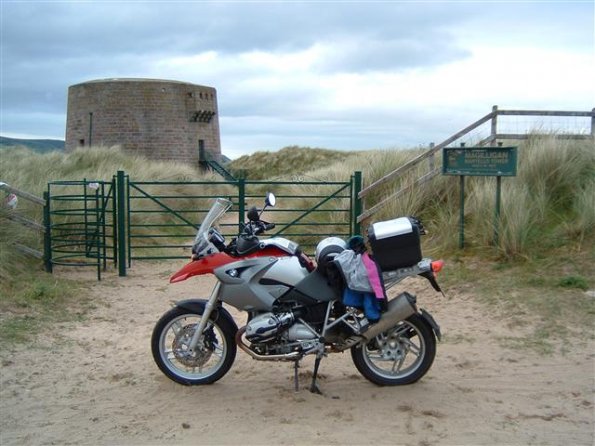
point(395, 243)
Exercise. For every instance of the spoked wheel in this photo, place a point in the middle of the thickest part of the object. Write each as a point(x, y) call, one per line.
point(400, 355)
point(211, 359)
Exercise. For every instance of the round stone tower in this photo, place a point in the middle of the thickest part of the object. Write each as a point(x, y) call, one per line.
point(159, 119)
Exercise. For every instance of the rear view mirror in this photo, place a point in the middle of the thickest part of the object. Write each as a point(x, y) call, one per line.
point(270, 200)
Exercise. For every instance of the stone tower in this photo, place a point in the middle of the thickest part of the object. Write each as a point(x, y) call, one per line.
point(159, 119)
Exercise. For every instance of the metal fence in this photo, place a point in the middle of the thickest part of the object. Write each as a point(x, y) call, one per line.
point(80, 224)
point(90, 223)
point(162, 217)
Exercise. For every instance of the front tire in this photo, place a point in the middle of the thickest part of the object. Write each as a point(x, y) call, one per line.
point(398, 356)
point(213, 356)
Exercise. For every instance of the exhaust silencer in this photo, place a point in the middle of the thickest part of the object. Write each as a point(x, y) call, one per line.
point(399, 308)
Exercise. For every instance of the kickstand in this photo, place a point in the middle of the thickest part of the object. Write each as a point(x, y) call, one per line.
point(296, 366)
point(314, 387)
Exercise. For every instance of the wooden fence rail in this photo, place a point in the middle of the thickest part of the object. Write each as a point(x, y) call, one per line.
point(491, 140)
point(21, 193)
point(15, 216)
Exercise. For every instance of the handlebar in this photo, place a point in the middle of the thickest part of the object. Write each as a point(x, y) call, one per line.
point(257, 227)
point(208, 239)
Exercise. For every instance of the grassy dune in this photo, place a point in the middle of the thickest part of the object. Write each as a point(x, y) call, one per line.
point(287, 164)
point(550, 203)
point(537, 274)
point(546, 234)
point(31, 171)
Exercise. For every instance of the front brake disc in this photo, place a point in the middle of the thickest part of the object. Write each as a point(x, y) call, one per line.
point(203, 351)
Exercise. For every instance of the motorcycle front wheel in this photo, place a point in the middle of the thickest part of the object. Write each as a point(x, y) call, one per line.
point(211, 359)
point(398, 356)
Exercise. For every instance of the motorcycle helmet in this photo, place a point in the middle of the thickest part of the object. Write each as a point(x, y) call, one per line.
point(327, 249)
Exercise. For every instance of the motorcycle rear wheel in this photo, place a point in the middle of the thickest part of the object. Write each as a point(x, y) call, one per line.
point(398, 356)
point(213, 355)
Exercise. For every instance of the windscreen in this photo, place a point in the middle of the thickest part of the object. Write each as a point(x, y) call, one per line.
point(219, 207)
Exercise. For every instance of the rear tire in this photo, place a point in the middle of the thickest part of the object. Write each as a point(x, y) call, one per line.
point(214, 353)
point(398, 356)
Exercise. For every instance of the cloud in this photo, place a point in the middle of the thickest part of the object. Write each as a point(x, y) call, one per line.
point(356, 55)
point(337, 74)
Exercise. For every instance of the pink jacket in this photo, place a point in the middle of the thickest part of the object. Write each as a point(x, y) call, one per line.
point(374, 276)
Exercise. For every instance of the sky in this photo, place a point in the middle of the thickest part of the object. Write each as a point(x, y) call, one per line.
point(347, 75)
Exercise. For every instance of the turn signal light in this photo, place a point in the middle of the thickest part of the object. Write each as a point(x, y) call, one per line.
point(437, 266)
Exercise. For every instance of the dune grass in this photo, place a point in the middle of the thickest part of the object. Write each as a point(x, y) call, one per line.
point(289, 164)
point(28, 296)
point(551, 201)
point(547, 219)
point(537, 274)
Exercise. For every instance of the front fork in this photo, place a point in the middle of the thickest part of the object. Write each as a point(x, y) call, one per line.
point(211, 304)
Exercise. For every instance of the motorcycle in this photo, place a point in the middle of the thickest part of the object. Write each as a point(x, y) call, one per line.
point(294, 310)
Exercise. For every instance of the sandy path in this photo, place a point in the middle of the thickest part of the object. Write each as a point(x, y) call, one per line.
point(94, 382)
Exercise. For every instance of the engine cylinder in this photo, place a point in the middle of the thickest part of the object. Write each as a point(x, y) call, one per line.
point(266, 326)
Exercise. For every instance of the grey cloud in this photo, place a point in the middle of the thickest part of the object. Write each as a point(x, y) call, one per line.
point(47, 46)
point(561, 24)
point(81, 29)
point(73, 30)
point(400, 130)
point(294, 101)
point(404, 53)
point(42, 85)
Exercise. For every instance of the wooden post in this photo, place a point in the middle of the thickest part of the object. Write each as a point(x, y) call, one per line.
point(431, 159)
point(494, 127)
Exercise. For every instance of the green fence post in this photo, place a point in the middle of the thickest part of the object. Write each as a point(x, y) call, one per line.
point(121, 193)
point(462, 213)
point(128, 221)
point(86, 220)
point(98, 232)
point(47, 234)
point(241, 201)
point(357, 202)
point(114, 220)
point(497, 213)
point(103, 223)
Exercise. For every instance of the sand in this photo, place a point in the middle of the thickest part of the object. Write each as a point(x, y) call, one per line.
point(94, 382)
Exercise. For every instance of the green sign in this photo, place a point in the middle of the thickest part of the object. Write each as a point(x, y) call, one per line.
point(479, 161)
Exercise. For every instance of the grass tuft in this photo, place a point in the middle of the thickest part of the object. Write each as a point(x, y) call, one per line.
point(574, 282)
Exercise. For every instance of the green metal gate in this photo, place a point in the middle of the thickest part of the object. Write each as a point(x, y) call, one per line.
point(92, 222)
point(163, 216)
point(80, 224)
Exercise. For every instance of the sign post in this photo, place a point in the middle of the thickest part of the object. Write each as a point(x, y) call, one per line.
point(479, 161)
